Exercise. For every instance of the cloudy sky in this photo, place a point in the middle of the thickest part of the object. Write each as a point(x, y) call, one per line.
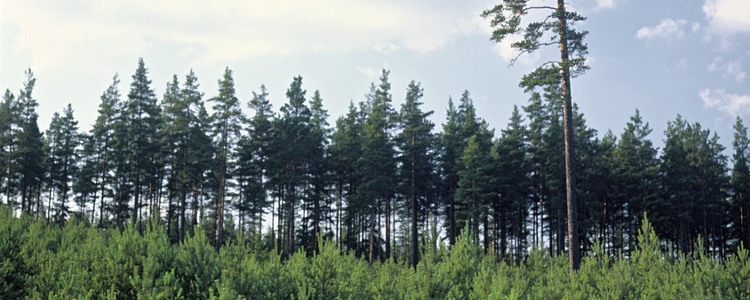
point(688, 57)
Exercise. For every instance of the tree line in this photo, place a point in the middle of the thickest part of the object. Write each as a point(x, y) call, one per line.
point(381, 182)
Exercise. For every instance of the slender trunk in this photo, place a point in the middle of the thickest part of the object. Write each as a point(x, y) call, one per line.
point(49, 200)
point(290, 224)
point(281, 219)
point(338, 215)
point(414, 235)
point(387, 227)
point(372, 233)
point(7, 179)
point(503, 235)
point(200, 220)
point(570, 178)
point(183, 192)
point(452, 218)
point(170, 196)
point(39, 201)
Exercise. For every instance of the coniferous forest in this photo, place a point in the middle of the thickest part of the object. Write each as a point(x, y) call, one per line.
point(182, 195)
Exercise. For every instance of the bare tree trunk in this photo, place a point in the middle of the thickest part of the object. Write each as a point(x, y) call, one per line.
point(414, 235)
point(372, 233)
point(570, 174)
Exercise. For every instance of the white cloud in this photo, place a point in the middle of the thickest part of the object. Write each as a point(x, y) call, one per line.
point(730, 68)
point(696, 27)
point(370, 72)
point(727, 16)
point(731, 104)
point(604, 4)
point(666, 29)
point(58, 35)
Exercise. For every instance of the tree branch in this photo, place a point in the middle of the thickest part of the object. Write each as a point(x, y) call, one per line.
point(539, 7)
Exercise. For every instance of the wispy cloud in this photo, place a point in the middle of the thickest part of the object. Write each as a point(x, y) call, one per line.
point(58, 35)
point(667, 29)
point(370, 72)
point(731, 104)
point(729, 68)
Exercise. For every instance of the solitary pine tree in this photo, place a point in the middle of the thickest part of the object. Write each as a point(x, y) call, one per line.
point(506, 18)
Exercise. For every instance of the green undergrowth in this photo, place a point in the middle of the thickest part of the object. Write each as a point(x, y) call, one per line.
point(39, 260)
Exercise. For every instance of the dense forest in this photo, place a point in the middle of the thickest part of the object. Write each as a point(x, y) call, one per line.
point(288, 177)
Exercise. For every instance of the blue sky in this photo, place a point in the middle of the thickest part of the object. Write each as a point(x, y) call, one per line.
point(665, 58)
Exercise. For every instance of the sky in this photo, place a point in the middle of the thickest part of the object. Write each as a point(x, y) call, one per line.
point(664, 58)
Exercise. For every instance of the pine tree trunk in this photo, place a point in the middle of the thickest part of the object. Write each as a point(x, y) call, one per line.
point(452, 219)
point(372, 233)
point(570, 178)
point(222, 178)
point(183, 190)
point(414, 234)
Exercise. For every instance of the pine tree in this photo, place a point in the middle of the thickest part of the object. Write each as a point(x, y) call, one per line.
point(317, 195)
point(416, 145)
point(538, 117)
point(64, 133)
point(376, 165)
point(450, 151)
point(84, 184)
point(226, 123)
point(175, 133)
point(515, 180)
point(103, 133)
point(30, 144)
point(143, 118)
point(253, 166)
point(462, 123)
point(10, 129)
point(202, 162)
point(740, 183)
point(290, 160)
point(506, 18)
point(193, 102)
point(345, 150)
point(635, 170)
point(474, 185)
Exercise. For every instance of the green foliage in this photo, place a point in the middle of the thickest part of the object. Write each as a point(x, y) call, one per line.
point(43, 261)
